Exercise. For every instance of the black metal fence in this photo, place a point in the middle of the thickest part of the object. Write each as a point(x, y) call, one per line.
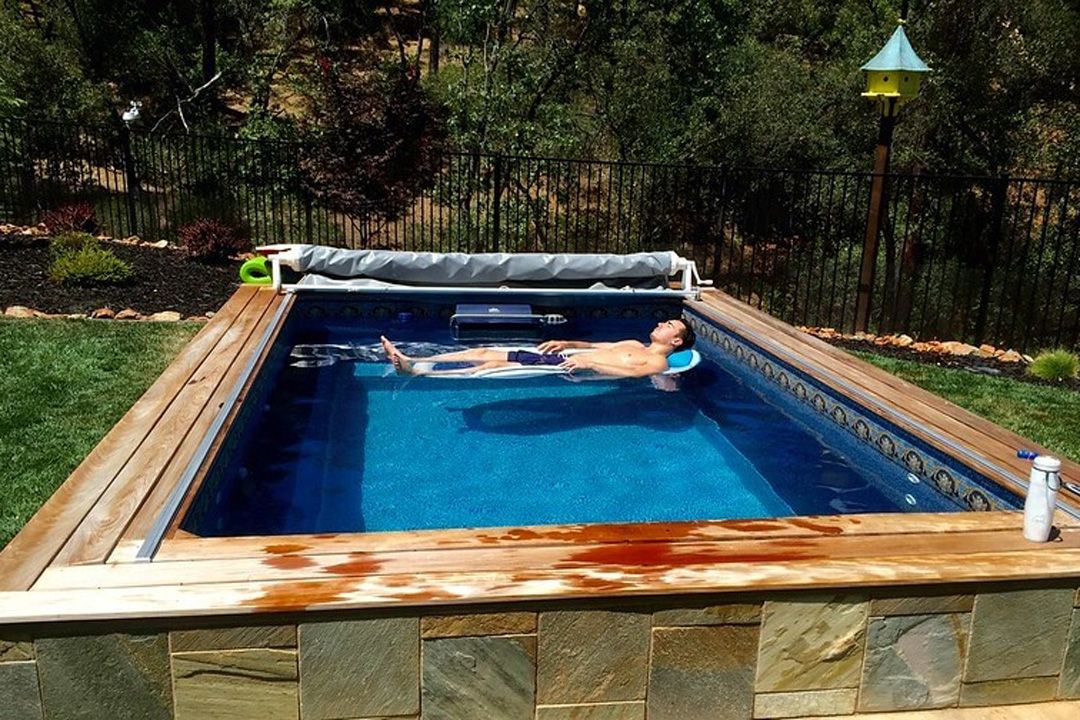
point(978, 259)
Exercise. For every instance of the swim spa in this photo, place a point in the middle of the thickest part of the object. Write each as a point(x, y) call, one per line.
point(786, 603)
point(330, 439)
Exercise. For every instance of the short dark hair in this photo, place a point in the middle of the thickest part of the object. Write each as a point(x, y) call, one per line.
point(687, 335)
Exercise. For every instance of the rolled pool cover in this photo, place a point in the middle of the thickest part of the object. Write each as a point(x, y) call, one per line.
point(484, 269)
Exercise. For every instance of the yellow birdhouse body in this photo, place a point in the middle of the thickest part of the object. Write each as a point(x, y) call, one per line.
point(894, 75)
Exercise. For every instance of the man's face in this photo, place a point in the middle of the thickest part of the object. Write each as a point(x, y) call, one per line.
point(668, 332)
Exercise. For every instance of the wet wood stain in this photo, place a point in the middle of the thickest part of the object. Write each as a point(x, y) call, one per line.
point(298, 595)
point(289, 562)
point(816, 526)
point(359, 563)
point(649, 557)
point(285, 548)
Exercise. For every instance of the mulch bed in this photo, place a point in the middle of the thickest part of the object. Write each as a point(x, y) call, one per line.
point(164, 280)
point(971, 363)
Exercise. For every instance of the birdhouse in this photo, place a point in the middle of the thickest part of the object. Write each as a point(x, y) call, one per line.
point(894, 75)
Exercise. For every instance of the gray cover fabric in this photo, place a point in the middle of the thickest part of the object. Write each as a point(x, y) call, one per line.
point(462, 269)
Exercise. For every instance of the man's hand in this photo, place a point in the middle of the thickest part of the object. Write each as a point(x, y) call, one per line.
point(575, 362)
point(557, 346)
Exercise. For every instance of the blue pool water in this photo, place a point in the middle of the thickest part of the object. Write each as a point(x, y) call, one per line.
point(350, 446)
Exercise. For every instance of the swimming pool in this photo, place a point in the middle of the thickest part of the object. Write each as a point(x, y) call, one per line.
point(329, 439)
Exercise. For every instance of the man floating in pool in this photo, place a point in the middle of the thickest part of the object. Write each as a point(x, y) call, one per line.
point(624, 358)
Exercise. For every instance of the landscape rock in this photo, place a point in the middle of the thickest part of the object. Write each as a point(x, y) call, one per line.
point(19, 311)
point(103, 314)
point(958, 348)
point(132, 240)
point(1010, 356)
point(164, 316)
point(158, 244)
point(127, 314)
point(75, 316)
point(903, 340)
point(196, 319)
point(1028, 359)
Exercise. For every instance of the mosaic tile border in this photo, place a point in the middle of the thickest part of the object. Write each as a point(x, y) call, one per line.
point(930, 466)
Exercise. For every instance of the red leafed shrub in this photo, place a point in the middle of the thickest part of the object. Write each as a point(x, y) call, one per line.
point(77, 217)
point(209, 240)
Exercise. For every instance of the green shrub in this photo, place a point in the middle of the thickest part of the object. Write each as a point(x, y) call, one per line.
point(1055, 365)
point(90, 266)
point(68, 242)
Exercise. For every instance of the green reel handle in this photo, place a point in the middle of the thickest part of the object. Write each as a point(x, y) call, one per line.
point(256, 271)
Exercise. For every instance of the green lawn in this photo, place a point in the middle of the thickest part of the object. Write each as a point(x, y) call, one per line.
point(1044, 414)
point(63, 384)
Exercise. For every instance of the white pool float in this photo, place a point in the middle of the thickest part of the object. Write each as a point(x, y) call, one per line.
point(678, 362)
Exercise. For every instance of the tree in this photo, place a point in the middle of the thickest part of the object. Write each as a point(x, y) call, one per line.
point(376, 140)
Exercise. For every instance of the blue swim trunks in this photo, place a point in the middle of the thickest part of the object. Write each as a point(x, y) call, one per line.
point(524, 357)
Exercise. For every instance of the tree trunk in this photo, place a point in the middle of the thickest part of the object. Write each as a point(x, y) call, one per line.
point(208, 20)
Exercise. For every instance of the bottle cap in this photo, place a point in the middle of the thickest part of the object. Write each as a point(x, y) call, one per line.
point(1046, 463)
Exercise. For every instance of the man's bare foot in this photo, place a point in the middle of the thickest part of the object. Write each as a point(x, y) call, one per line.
point(402, 362)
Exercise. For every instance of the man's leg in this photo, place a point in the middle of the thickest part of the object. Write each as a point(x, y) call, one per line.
point(462, 371)
point(477, 356)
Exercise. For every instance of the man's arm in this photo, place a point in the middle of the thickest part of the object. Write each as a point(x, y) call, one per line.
point(636, 368)
point(555, 346)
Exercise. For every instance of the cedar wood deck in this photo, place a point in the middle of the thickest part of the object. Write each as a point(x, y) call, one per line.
point(86, 535)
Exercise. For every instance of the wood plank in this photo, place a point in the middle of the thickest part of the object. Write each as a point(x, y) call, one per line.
point(432, 589)
point(855, 370)
point(606, 557)
point(919, 415)
point(140, 525)
point(186, 418)
point(41, 539)
point(862, 368)
point(430, 540)
point(813, 358)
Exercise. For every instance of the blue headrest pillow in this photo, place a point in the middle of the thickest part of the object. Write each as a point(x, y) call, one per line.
point(679, 359)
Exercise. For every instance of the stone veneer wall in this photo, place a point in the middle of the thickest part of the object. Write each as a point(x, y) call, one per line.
point(769, 655)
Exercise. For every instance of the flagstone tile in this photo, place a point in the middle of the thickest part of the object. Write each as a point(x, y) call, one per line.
point(812, 643)
point(479, 677)
point(592, 656)
point(913, 662)
point(702, 672)
point(1018, 634)
point(253, 684)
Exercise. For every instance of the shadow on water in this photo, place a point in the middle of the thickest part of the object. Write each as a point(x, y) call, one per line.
point(662, 412)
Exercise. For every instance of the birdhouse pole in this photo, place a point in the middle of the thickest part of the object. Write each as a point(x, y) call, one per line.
point(893, 77)
point(875, 217)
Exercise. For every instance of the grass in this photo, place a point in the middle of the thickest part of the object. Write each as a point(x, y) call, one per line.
point(1044, 414)
point(63, 384)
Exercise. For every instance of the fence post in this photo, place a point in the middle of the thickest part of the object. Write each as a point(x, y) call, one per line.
point(26, 175)
point(999, 194)
point(497, 202)
point(131, 179)
point(306, 196)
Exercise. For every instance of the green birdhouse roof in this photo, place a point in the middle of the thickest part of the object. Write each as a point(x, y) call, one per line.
point(897, 55)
